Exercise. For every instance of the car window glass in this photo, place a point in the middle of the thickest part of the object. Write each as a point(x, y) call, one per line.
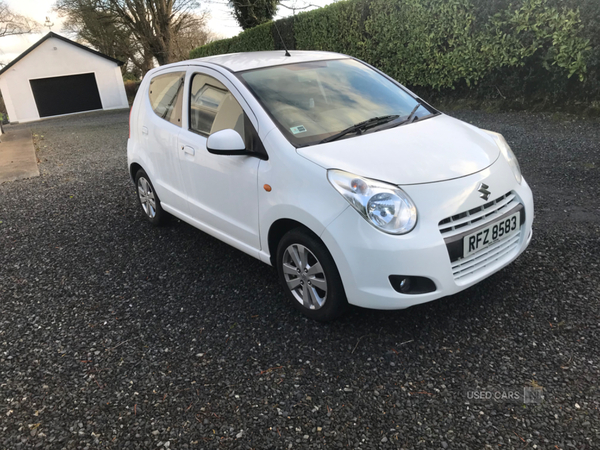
point(213, 107)
point(166, 96)
point(314, 100)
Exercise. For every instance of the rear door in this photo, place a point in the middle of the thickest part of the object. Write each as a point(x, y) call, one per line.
point(160, 127)
point(221, 189)
point(65, 95)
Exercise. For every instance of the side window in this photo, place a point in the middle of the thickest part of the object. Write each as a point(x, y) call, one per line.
point(213, 107)
point(166, 96)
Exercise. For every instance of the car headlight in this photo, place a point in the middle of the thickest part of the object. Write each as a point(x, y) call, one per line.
point(508, 154)
point(383, 205)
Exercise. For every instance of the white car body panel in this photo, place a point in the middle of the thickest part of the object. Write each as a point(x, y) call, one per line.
point(439, 162)
point(300, 191)
point(208, 180)
point(159, 140)
point(435, 149)
point(422, 252)
point(236, 62)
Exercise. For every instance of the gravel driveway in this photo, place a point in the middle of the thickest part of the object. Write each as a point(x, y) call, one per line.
point(117, 334)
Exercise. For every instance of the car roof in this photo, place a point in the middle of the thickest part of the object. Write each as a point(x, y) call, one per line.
point(237, 62)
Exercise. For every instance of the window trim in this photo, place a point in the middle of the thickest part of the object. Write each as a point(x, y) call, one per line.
point(261, 153)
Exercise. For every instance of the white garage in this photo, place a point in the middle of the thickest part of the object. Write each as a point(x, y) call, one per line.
point(57, 76)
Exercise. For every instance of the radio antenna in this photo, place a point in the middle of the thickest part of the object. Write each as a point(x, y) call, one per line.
point(280, 38)
point(282, 42)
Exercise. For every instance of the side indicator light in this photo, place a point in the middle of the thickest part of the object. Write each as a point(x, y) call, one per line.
point(267, 187)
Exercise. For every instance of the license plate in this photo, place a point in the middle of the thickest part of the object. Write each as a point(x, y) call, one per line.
point(493, 233)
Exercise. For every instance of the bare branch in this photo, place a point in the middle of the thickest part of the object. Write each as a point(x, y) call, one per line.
point(299, 8)
point(12, 24)
point(138, 30)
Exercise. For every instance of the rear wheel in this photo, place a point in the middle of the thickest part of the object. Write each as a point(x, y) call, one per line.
point(148, 199)
point(310, 277)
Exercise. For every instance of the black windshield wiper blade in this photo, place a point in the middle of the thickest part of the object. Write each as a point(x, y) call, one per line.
point(411, 117)
point(361, 126)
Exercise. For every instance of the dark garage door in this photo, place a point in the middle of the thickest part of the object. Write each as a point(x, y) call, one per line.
point(65, 95)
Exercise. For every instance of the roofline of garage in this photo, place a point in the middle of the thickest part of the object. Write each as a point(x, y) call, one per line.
point(62, 38)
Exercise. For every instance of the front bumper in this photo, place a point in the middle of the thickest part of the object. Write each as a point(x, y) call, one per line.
point(366, 257)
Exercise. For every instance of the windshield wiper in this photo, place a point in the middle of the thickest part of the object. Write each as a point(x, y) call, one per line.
point(361, 126)
point(411, 117)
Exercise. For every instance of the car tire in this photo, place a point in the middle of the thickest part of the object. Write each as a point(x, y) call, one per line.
point(148, 198)
point(309, 276)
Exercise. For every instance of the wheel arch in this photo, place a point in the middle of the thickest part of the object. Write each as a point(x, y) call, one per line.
point(337, 302)
point(133, 170)
point(278, 229)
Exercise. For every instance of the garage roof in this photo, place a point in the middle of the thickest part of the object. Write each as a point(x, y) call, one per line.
point(57, 36)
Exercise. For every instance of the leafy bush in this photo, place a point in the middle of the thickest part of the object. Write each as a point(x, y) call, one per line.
point(131, 88)
point(527, 48)
point(214, 48)
point(254, 39)
point(426, 42)
point(338, 27)
point(285, 28)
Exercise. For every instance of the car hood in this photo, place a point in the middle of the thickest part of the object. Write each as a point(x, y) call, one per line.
point(435, 149)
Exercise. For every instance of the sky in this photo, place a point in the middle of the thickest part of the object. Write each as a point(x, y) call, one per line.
point(221, 22)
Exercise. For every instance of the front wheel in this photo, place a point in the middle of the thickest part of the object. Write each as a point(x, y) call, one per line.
point(310, 277)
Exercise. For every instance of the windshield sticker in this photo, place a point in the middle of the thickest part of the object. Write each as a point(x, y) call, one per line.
point(298, 129)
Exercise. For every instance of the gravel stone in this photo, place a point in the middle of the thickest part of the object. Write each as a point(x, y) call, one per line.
point(116, 334)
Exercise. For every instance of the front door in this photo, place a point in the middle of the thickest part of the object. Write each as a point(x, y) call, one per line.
point(221, 189)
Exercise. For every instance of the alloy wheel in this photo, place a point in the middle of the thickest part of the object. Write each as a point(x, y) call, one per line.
point(304, 276)
point(147, 198)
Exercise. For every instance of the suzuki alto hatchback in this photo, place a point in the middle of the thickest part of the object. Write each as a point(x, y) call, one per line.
point(353, 187)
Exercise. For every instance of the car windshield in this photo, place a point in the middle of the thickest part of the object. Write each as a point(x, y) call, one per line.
point(313, 101)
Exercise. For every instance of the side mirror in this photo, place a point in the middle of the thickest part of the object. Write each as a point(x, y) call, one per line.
point(226, 142)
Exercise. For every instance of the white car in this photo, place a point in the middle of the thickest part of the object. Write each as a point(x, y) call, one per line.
point(354, 188)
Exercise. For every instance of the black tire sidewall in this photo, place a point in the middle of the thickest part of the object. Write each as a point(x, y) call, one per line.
point(336, 303)
point(160, 216)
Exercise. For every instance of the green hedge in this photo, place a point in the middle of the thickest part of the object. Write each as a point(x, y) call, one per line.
point(254, 39)
point(527, 48)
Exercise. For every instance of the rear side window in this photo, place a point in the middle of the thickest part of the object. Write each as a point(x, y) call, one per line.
point(213, 107)
point(166, 96)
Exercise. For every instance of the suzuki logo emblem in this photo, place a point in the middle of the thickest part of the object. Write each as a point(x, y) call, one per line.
point(483, 188)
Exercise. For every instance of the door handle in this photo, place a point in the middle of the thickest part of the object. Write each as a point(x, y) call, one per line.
point(189, 150)
point(144, 130)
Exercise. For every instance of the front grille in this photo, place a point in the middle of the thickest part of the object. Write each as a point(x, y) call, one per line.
point(454, 228)
point(485, 257)
point(473, 218)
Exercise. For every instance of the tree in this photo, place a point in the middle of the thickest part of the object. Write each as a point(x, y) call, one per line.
point(193, 33)
point(251, 13)
point(12, 24)
point(153, 23)
point(103, 31)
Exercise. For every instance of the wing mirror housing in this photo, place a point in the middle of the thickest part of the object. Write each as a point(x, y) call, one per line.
point(226, 142)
